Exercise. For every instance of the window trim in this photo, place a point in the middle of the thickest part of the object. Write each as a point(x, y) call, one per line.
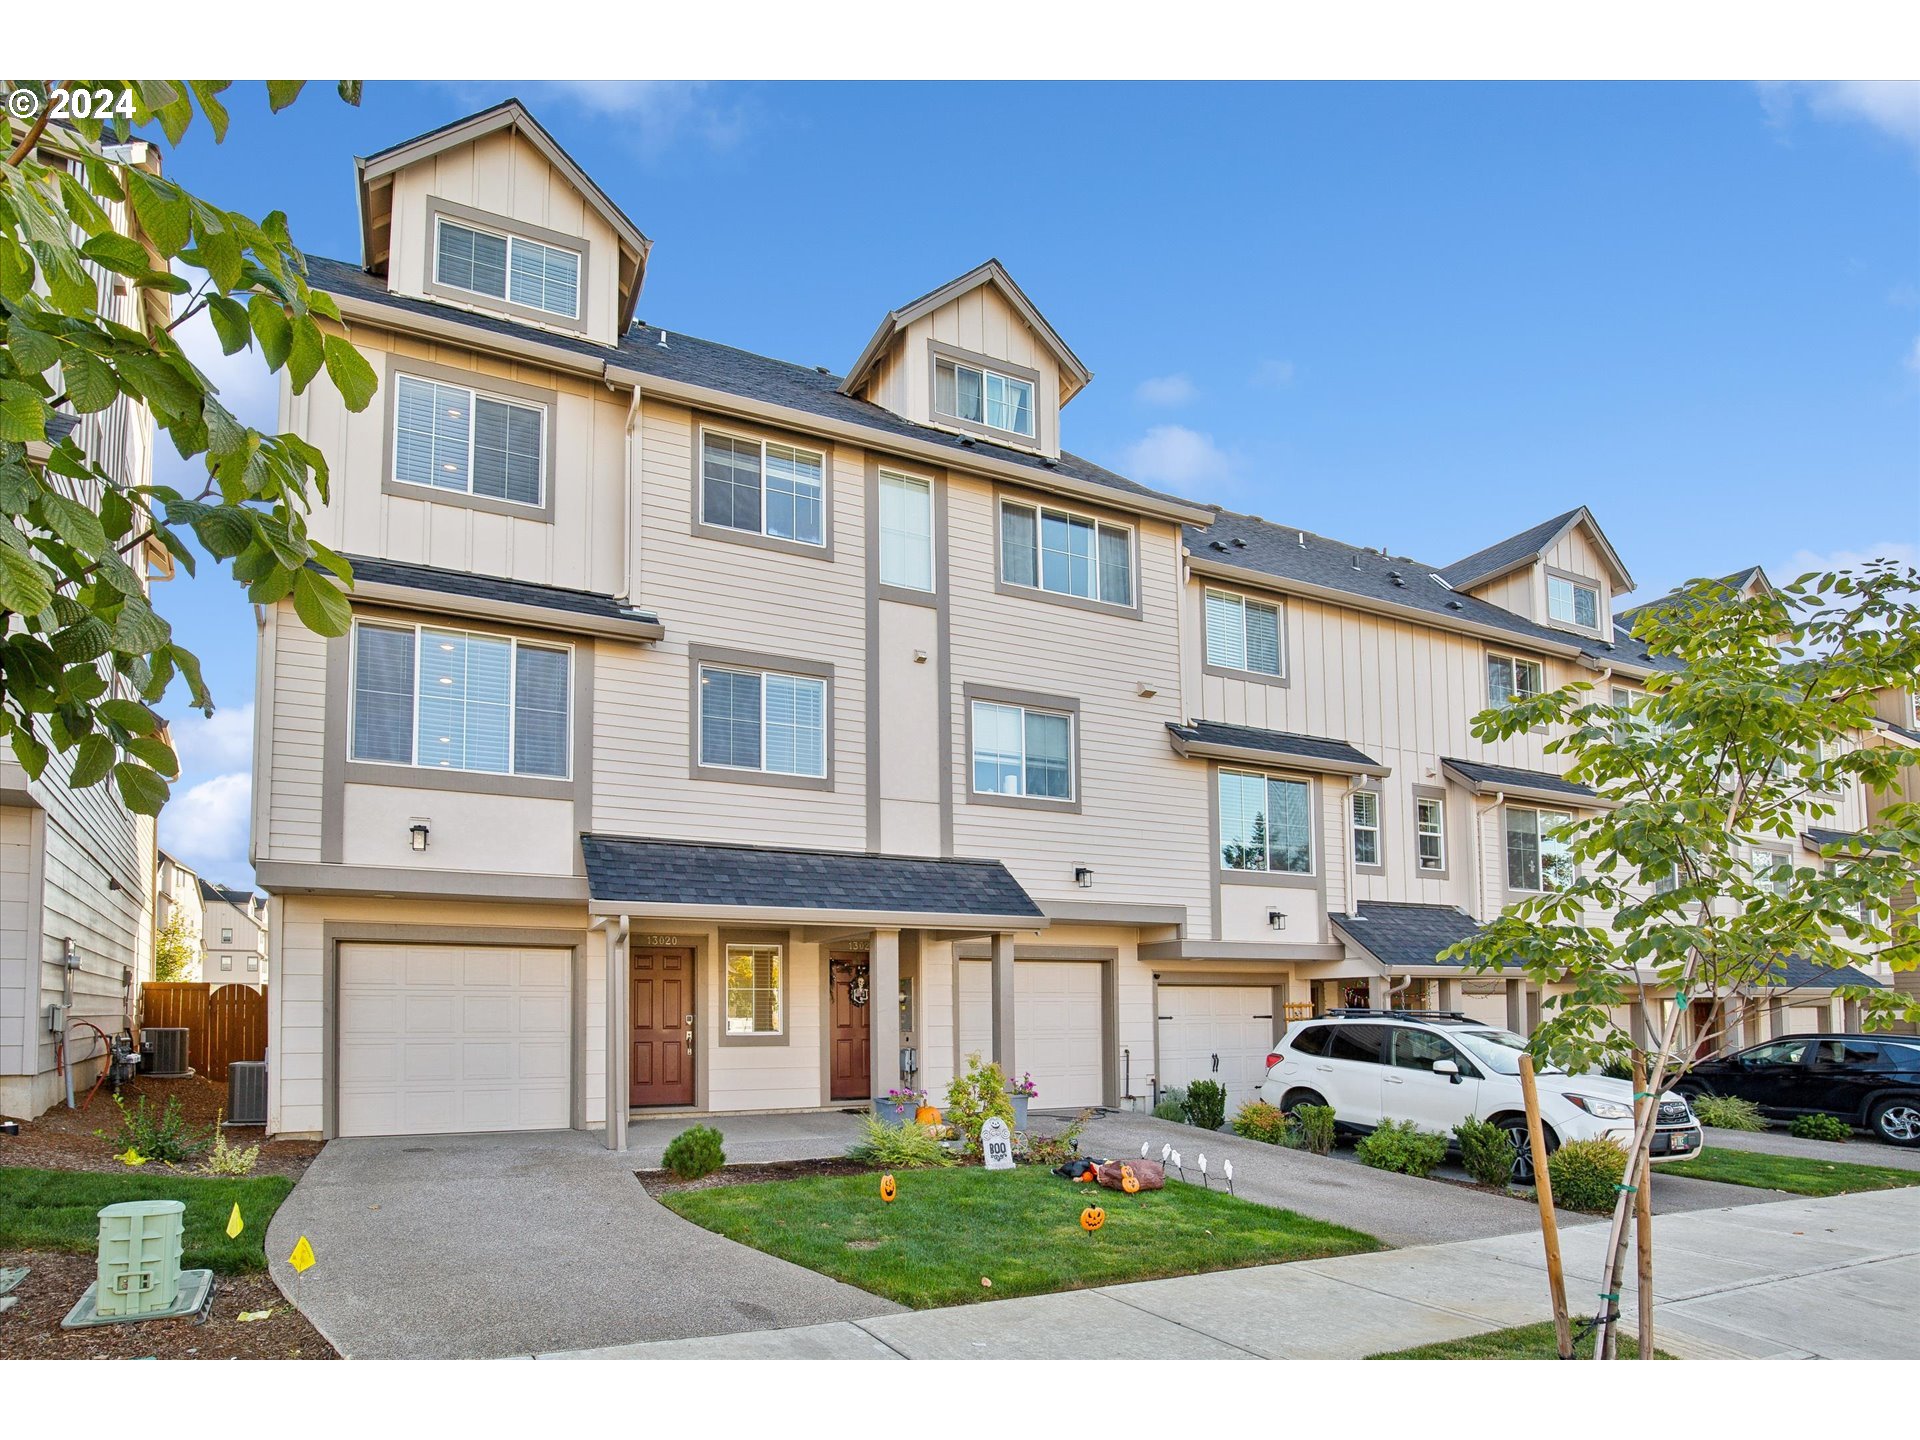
point(474, 395)
point(1377, 866)
point(1208, 666)
point(1432, 793)
point(913, 594)
point(1026, 700)
point(699, 656)
point(1314, 877)
point(469, 218)
point(1506, 859)
point(493, 388)
point(1578, 582)
point(781, 940)
point(938, 351)
point(763, 436)
point(1098, 518)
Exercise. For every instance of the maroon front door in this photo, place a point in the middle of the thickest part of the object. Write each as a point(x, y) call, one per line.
point(852, 1047)
point(661, 1008)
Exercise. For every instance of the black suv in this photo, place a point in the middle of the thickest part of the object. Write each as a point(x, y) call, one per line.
point(1871, 1081)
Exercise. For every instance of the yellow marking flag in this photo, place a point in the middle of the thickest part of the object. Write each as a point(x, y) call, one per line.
point(302, 1257)
point(234, 1223)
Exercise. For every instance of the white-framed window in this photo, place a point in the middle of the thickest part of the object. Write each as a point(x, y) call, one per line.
point(763, 487)
point(449, 437)
point(1366, 827)
point(1046, 549)
point(253, 962)
point(226, 962)
point(1244, 634)
point(1571, 603)
point(1667, 881)
point(1430, 831)
point(1537, 857)
point(906, 531)
point(983, 396)
point(460, 700)
point(1022, 751)
point(763, 720)
point(226, 935)
point(1771, 869)
point(753, 990)
point(1509, 678)
point(1266, 823)
point(507, 267)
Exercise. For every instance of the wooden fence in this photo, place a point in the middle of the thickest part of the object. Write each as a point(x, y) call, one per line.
point(224, 1022)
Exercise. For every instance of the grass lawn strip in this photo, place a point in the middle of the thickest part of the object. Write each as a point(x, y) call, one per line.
point(1794, 1173)
point(58, 1210)
point(1524, 1342)
point(1018, 1228)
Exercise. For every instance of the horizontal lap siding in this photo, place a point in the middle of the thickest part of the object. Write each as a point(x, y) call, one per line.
point(296, 690)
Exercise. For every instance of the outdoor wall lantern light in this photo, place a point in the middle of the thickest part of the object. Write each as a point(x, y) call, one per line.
point(1276, 919)
point(1083, 876)
point(418, 834)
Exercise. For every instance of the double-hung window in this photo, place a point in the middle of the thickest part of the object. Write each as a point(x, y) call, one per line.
point(1430, 831)
point(763, 487)
point(508, 267)
point(1537, 858)
point(753, 990)
point(1511, 678)
point(460, 700)
point(983, 397)
point(906, 532)
point(1366, 827)
point(762, 720)
point(1771, 869)
point(1571, 603)
point(1066, 554)
point(448, 437)
point(1021, 751)
point(1243, 634)
point(1266, 823)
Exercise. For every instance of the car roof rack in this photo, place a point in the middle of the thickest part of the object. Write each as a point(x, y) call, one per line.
point(1346, 1013)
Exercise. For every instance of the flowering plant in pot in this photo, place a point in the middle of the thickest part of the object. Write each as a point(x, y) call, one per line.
point(897, 1107)
point(1020, 1092)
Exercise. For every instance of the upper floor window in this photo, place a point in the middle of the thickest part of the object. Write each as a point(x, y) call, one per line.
point(1243, 634)
point(1511, 678)
point(762, 720)
point(1537, 858)
point(763, 487)
point(448, 437)
point(226, 935)
point(1366, 827)
point(906, 532)
point(1046, 549)
point(1430, 831)
point(1770, 869)
point(458, 700)
point(1022, 751)
point(985, 397)
point(508, 267)
point(1571, 603)
point(1265, 823)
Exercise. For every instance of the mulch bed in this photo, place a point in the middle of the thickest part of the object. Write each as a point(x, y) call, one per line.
point(31, 1329)
point(64, 1139)
point(659, 1182)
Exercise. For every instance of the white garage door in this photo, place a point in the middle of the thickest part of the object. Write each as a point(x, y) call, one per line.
point(438, 1039)
point(1057, 1030)
point(1216, 1032)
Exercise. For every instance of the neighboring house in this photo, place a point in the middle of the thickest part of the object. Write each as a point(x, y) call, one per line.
point(176, 891)
point(722, 734)
point(233, 935)
point(76, 867)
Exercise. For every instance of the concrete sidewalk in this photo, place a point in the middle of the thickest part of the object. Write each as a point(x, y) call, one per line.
point(1836, 1278)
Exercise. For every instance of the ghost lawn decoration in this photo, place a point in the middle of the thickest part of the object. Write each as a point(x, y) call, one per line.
point(1226, 1167)
point(1204, 1184)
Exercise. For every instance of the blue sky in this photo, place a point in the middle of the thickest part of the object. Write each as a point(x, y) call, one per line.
point(1418, 316)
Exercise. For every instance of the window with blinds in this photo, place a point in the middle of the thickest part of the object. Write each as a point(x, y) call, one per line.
point(1067, 554)
point(760, 720)
point(448, 437)
point(763, 487)
point(508, 267)
point(906, 532)
point(1243, 634)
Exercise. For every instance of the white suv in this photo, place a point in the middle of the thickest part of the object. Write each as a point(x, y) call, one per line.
point(1435, 1068)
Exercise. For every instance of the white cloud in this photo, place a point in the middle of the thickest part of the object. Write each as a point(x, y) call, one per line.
point(1913, 356)
point(1165, 390)
point(1178, 459)
point(205, 825)
point(1804, 562)
point(652, 115)
point(217, 746)
point(1889, 106)
point(1272, 375)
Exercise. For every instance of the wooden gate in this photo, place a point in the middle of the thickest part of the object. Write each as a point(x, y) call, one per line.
point(224, 1022)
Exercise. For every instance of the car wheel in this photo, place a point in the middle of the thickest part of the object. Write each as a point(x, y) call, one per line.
point(1297, 1098)
point(1522, 1143)
point(1897, 1122)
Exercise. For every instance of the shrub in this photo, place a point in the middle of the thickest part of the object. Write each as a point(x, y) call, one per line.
point(1207, 1104)
point(1485, 1151)
point(975, 1096)
point(1172, 1104)
point(898, 1147)
point(1728, 1112)
point(163, 1136)
point(225, 1159)
point(1402, 1146)
point(1052, 1150)
point(1316, 1127)
point(1586, 1174)
point(1820, 1127)
point(694, 1152)
point(1257, 1120)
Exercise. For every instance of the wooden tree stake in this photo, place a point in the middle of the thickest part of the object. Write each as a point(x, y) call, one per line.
point(1643, 1225)
point(1549, 1228)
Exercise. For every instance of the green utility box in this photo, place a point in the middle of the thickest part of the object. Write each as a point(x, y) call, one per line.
point(139, 1257)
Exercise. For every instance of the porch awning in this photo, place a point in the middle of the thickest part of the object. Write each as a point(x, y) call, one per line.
point(1795, 973)
point(680, 880)
point(1483, 779)
point(1212, 740)
point(461, 593)
point(1406, 937)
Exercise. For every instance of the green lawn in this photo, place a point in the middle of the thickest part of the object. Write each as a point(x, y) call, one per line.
point(1525, 1342)
point(1019, 1228)
point(57, 1209)
point(1794, 1173)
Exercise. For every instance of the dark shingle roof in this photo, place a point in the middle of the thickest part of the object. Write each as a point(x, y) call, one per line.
point(1835, 837)
point(1512, 778)
point(624, 869)
point(212, 892)
point(486, 587)
point(1400, 936)
point(735, 372)
point(1275, 742)
point(1739, 580)
point(1504, 554)
point(1797, 973)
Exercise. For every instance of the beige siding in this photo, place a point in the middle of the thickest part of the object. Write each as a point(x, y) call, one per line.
point(295, 691)
point(1523, 592)
point(1576, 553)
point(983, 323)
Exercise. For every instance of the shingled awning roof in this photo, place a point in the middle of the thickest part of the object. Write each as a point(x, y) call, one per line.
point(1406, 937)
point(677, 879)
point(460, 592)
point(1795, 973)
point(1483, 779)
point(1211, 740)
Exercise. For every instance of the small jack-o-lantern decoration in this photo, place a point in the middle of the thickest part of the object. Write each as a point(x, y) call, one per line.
point(1129, 1182)
point(1092, 1218)
point(888, 1189)
point(926, 1115)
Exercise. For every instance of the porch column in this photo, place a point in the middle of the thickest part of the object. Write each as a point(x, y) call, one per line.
point(1535, 996)
point(1637, 1019)
point(1850, 1016)
point(1517, 1006)
point(1776, 1017)
point(1379, 993)
point(883, 1010)
point(1749, 1020)
point(619, 1039)
point(1003, 1003)
point(1444, 994)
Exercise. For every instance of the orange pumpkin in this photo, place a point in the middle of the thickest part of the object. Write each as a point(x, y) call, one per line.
point(926, 1115)
point(1092, 1218)
point(888, 1189)
point(1129, 1182)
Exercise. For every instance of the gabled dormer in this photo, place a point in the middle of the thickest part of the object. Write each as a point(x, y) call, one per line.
point(489, 214)
point(1564, 572)
point(974, 357)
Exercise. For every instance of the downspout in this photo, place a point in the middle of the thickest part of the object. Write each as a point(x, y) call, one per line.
point(629, 583)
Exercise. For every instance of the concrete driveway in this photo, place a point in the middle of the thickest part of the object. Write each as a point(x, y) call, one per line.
point(493, 1245)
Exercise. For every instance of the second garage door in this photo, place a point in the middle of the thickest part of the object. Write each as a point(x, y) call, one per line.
point(440, 1039)
point(1057, 1027)
point(1216, 1032)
